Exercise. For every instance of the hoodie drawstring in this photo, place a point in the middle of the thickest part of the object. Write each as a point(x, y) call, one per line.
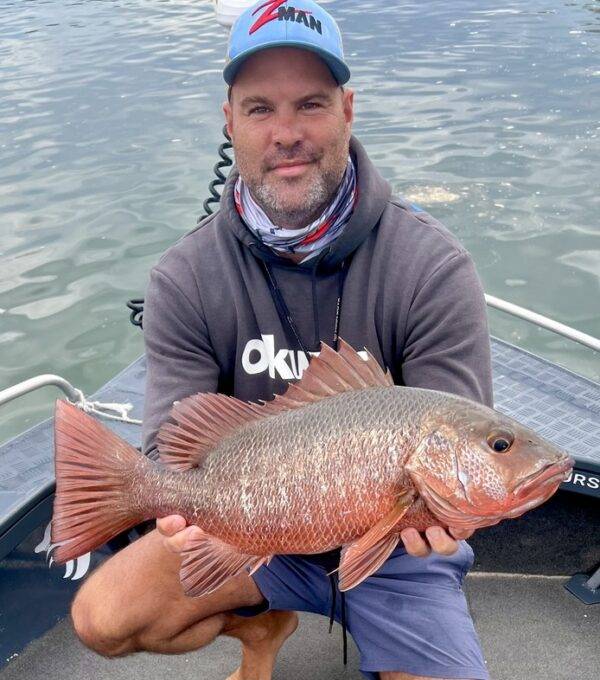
point(284, 313)
point(313, 279)
point(333, 598)
point(333, 585)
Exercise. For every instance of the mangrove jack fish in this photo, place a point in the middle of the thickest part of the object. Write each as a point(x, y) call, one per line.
point(343, 458)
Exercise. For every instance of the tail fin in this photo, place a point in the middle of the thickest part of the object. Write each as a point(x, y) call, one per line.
point(94, 483)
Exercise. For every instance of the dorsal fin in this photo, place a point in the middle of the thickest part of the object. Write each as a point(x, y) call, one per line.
point(202, 420)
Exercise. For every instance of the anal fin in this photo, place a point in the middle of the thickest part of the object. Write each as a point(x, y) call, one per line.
point(208, 563)
point(364, 556)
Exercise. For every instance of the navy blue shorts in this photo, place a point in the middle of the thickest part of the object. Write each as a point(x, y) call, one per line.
point(411, 616)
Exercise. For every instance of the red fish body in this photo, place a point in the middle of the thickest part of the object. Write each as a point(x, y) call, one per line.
point(344, 458)
point(279, 486)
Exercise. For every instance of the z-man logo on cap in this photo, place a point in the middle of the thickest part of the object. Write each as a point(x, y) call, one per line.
point(300, 16)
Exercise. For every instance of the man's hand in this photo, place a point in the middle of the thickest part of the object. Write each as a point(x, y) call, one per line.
point(439, 540)
point(175, 532)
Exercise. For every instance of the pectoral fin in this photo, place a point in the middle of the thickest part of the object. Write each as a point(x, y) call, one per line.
point(355, 567)
point(209, 562)
point(364, 556)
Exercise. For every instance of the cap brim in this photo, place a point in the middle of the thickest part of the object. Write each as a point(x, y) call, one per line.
point(338, 69)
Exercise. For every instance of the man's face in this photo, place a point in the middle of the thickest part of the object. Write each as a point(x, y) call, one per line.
point(290, 126)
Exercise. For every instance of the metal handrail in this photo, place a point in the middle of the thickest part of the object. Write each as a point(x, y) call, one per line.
point(543, 322)
point(32, 384)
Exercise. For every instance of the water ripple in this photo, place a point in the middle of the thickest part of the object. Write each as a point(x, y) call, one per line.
point(110, 118)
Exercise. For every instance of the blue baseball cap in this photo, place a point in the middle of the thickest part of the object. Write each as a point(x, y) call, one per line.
point(283, 23)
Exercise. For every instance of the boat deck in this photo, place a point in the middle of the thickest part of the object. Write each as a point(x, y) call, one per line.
point(531, 629)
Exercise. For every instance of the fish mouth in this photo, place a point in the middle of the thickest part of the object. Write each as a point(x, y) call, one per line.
point(548, 476)
point(539, 486)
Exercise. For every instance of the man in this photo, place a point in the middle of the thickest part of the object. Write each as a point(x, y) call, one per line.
point(308, 246)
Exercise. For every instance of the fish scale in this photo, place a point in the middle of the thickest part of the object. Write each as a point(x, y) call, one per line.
point(289, 454)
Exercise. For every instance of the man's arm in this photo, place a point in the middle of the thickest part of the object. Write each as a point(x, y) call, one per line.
point(447, 348)
point(447, 342)
point(179, 362)
point(179, 356)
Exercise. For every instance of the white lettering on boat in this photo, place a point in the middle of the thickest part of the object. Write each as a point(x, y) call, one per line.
point(581, 479)
point(74, 569)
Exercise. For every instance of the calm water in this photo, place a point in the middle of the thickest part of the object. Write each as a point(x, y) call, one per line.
point(486, 114)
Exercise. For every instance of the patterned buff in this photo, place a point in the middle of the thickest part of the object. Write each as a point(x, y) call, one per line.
point(311, 239)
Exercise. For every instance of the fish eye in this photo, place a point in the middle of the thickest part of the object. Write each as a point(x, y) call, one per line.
point(500, 442)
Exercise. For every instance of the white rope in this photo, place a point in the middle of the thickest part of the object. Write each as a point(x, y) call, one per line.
point(110, 411)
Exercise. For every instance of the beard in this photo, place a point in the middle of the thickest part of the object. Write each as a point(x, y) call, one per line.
point(294, 214)
point(293, 203)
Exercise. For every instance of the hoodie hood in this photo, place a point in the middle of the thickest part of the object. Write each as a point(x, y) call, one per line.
point(373, 195)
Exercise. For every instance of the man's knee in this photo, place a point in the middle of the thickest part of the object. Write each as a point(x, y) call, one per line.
point(111, 631)
point(95, 629)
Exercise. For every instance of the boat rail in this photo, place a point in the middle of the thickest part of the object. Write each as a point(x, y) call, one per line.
point(543, 322)
point(36, 383)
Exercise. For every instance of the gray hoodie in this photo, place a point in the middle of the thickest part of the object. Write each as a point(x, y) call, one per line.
point(218, 302)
